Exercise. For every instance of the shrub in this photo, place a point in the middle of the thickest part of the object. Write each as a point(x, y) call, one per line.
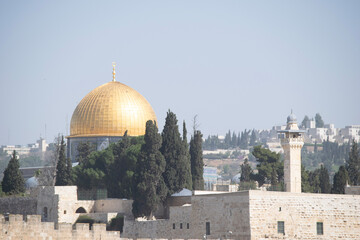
point(116, 224)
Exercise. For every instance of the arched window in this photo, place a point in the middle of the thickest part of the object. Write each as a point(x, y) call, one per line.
point(45, 214)
point(80, 210)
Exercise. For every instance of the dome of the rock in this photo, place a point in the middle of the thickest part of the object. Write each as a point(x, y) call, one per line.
point(110, 110)
point(104, 115)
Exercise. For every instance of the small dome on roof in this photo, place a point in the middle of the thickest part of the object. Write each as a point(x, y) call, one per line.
point(31, 182)
point(291, 118)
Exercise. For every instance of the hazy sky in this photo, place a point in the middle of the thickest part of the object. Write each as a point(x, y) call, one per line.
point(236, 64)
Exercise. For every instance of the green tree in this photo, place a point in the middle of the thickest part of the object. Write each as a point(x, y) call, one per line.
point(175, 156)
point(325, 185)
point(305, 184)
point(122, 174)
point(341, 178)
point(253, 138)
point(63, 167)
point(353, 164)
point(197, 162)
point(150, 187)
point(319, 123)
point(13, 181)
point(304, 121)
point(270, 168)
point(188, 178)
point(95, 172)
point(83, 151)
point(245, 171)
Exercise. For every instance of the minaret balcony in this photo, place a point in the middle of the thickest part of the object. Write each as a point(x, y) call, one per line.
point(292, 140)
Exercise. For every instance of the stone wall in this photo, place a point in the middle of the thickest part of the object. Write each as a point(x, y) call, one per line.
point(352, 190)
point(33, 228)
point(18, 205)
point(255, 215)
point(300, 212)
point(223, 212)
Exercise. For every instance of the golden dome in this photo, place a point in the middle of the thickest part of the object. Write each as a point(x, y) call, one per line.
point(110, 110)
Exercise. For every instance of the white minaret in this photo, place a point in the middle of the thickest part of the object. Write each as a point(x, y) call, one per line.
point(292, 141)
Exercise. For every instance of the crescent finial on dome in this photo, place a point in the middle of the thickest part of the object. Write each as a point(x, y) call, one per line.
point(114, 64)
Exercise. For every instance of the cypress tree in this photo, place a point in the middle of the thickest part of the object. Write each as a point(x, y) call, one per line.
point(173, 151)
point(340, 180)
point(325, 185)
point(63, 167)
point(319, 123)
point(197, 163)
point(13, 181)
point(246, 171)
point(252, 138)
point(188, 178)
point(353, 164)
point(150, 188)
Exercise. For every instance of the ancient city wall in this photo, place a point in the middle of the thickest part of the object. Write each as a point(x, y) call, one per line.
point(18, 205)
point(300, 212)
point(33, 228)
point(226, 214)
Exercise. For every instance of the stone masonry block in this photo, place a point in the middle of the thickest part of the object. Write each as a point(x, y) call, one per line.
point(99, 227)
point(15, 218)
point(82, 227)
point(33, 218)
point(63, 227)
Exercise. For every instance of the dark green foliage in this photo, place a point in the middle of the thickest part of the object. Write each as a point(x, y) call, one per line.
point(197, 163)
point(270, 168)
point(188, 178)
point(245, 171)
point(212, 143)
point(303, 123)
point(116, 224)
point(353, 164)
point(305, 183)
point(341, 178)
point(247, 185)
point(63, 167)
point(13, 181)
point(85, 219)
point(227, 140)
point(150, 188)
point(112, 168)
point(244, 139)
point(83, 151)
point(331, 155)
point(92, 173)
point(319, 123)
point(253, 138)
point(175, 155)
point(316, 181)
point(325, 186)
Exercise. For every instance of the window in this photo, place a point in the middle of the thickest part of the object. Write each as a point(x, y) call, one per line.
point(80, 210)
point(207, 228)
point(320, 228)
point(281, 227)
point(173, 225)
point(45, 214)
point(187, 225)
point(64, 211)
point(180, 225)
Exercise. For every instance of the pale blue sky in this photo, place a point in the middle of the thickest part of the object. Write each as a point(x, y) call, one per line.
point(236, 64)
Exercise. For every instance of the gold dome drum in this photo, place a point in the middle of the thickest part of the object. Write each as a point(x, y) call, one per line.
point(110, 110)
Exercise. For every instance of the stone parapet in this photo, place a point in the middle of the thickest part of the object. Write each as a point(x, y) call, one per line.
point(33, 228)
